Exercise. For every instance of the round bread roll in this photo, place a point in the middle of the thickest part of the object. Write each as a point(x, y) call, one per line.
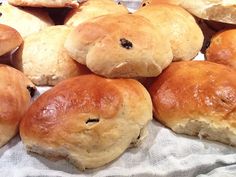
point(216, 10)
point(222, 48)
point(25, 21)
point(93, 8)
point(10, 39)
point(89, 120)
point(197, 98)
point(44, 3)
point(120, 46)
point(15, 96)
point(179, 27)
point(43, 58)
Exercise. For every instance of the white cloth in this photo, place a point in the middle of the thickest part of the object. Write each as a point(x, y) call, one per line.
point(162, 154)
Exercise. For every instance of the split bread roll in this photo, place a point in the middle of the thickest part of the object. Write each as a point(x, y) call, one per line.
point(25, 21)
point(15, 96)
point(10, 39)
point(178, 26)
point(216, 10)
point(120, 45)
point(222, 48)
point(89, 120)
point(44, 3)
point(197, 98)
point(43, 58)
point(93, 8)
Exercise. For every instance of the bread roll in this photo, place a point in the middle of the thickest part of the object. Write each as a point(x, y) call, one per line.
point(43, 58)
point(197, 98)
point(10, 39)
point(25, 21)
point(91, 9)
point(178, 26)
point(216, 10)
point(222, 48)
point(89, 120)
point(15, 96)
point(44, 3)
point(120, 46)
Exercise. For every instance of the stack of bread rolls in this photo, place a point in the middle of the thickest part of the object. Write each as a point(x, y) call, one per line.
point(94, 61)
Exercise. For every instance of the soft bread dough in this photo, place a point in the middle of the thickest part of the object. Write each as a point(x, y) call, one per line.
point(45, 3)
point(120, 45)
point(43, 58)
point(93, 8)
point(25, 21)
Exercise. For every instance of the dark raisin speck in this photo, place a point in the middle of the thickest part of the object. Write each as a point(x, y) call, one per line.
point(125, 43)
point(119, 3)
point(31, 90)
point(144, 4)
point(0, 14)
point(92, 120)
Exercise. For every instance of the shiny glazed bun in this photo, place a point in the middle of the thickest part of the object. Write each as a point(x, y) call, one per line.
point(15, 95)
point(197, 98)
point(88, 120)
point(222, 48)
point(10, 39)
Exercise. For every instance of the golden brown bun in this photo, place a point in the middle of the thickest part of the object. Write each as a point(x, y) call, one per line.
point(89, 120)
point(197, 98)
point(25, 21)
point(222, 48)
point(178, 26)
point(216, 10)
point(44, 3)
point(15, 100)
point(91, 9)
point(10, 39)
point(43, 58)
point(120, 46)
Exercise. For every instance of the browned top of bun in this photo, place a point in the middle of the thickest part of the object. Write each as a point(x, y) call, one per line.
point(10, 39)
point(14, 94)
point(88, 94)
point(223, 49)
point(88, 119)
point(195, 90)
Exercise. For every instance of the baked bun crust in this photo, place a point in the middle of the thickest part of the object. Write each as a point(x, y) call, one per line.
point(15, 100)
point(178, 26)
point(216, 10)
point(25, 21)
point(10, 39)
point(120, 46)
point(222, 48)
point(89, 120)
point(43, 58)
point(197, 98)
point(44, 3)
point(93, 8)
